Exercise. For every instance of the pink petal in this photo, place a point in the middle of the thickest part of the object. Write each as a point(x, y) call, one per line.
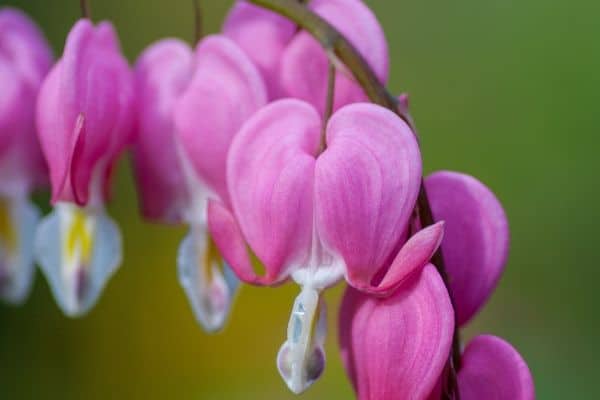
point(162, 73)
point(25, 58)
point(270, 176)
point(13, 105)
point(476, 242)
point(493, 369)
point(263, 35)
point(22, 42)
point(229, 239)
point(91, 82)
point(396, 348)
point(225, 91)
point(304, 62)
point(411, 259)
point(367, 182)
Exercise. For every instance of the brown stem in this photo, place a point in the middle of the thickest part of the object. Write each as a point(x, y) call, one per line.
point(85, 8)
point(328, 102)
point(337, 45)
point(198, 27)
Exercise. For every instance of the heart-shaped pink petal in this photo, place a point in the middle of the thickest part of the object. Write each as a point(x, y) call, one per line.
point(270, 176)
point(367, 182)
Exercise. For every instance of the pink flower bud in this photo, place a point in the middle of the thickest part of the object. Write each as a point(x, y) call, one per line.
point(475, 245)
point(493, 369)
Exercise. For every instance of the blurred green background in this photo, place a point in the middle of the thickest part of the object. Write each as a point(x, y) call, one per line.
point(505, 90)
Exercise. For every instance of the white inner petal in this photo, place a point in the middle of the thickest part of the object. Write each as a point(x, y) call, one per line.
point(301, 358)
point(18, 221)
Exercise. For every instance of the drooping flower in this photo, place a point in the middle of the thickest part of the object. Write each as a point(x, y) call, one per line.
point(293, 63)
point(475, 245)
point(85, 119)
point(25, 58)
point(493, 369)
point(318, 218)
point(191, 106)
point(396, 347)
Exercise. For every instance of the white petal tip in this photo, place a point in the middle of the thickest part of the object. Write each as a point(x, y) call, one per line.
point(77, 280)
point(210, 287)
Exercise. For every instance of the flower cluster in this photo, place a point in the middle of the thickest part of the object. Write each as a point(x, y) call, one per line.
point(264, 144)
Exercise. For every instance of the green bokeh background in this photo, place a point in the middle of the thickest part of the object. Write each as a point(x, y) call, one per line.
point(505, 90)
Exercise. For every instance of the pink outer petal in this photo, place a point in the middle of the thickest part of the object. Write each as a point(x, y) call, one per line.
point(411, 259)
point(22, 42)
point(270, 176)
point(304, 62)
point(162, 73)
point(13, 105)
point(229, 239)
point(476, 242)
point(226, 90)
point(263, 35)
point(93, 83)
point(367, 182)
point(25, 58)
point(493, 369)
point(396, 348)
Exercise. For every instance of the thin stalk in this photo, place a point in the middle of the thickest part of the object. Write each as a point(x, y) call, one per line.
point(328, 102)
point(336, 44)
point(85, 8)
point(198, 25)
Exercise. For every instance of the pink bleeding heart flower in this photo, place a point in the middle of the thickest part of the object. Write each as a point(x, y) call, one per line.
point(321, 217)
point(25, 58)
point(85, 118)
point(191, 106)
point(493, 369)
point(476, 241)
point(396, 348)
point(294, 64)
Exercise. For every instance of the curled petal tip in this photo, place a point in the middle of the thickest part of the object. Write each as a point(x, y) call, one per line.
point(409, 261)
